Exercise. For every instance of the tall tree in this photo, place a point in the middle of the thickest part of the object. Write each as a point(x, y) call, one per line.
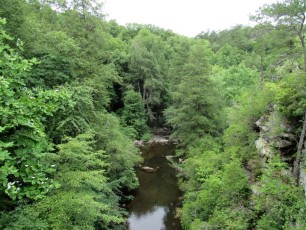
point(24, 146)
point(290, 14)
point(14, 12)
point(197, 104)
point(287, 15)
point(134, 113)
point(147, 70)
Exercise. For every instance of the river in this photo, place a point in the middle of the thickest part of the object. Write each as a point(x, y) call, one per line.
point(157, 197)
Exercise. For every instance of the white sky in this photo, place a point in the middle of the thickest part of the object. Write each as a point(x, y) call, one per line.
point(186, 17)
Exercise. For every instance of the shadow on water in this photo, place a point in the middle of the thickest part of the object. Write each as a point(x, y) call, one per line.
point(157, 197)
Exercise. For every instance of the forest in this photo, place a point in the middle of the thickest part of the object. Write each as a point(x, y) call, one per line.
point(78, 90)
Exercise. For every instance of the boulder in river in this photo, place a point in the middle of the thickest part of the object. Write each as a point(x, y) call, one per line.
point(171, 157)
point(149, 169)
point(159, 139)
point(139, 143)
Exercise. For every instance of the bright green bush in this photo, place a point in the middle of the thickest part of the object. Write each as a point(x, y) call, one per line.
point(24, 146)
point(279, 204)
point(134, 113)
point(85, 199)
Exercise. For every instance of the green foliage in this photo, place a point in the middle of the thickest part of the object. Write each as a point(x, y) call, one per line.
point(147, 68)
point(199, 59)
point(216, 188)
point(76, 116)
point(23, 218)
point(240, 134)
point(290, 16)
point(238, 37)
point(57, 55)
point(123, 155)
point(196, 109)
point(198, 168)
point(221, 201)
point(279, 204)
point(197, 103)
point(286, 12)
point(73, 78)
point(14, 12)
point(24, 145)
point(290, 94)
point(227, 218)
point(85, 198)
point(237, 79)
point(80, 116)
point(134, 113)
point(228, 56)
point(271, 48)
point(81, 169)
point(179, 52)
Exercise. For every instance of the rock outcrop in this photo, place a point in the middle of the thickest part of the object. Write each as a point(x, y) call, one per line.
point(275, 134)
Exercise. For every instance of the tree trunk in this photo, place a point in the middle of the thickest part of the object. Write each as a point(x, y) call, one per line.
point(299, 155)
point(147, 95)
point(150, 113)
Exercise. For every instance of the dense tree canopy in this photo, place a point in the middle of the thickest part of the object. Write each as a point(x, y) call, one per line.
point(76, 90)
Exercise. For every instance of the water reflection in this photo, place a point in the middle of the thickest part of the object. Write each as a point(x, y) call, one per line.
point(151, 220)
point(157, 197)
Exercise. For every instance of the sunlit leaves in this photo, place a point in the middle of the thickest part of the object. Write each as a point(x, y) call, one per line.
point(134, 113)
point(24, 167)
point(290, 93)
point(196, 108)
point(147, 69)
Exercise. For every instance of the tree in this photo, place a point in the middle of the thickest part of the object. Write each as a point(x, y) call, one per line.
point(197, 102)
point(196, 109)
point(122, 154)
point(279, 204)
point(57, 55)
point(199, 60)
point(134, 113)
point(24, 145)
point(179, 51)
point(147, 70)
point(237, 79)
point(85, 7)
point(221, 199)
point(287, 14)
point(85, 199)
point(14, 12)
point(290, 14)
point(228, 56)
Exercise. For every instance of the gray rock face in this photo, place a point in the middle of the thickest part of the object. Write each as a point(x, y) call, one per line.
point(275, 133)
point(276, 136)
point(259, 123)
point(279, 143)
point(263, 147)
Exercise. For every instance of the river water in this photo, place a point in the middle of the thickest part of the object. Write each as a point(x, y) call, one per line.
point(157, 197)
